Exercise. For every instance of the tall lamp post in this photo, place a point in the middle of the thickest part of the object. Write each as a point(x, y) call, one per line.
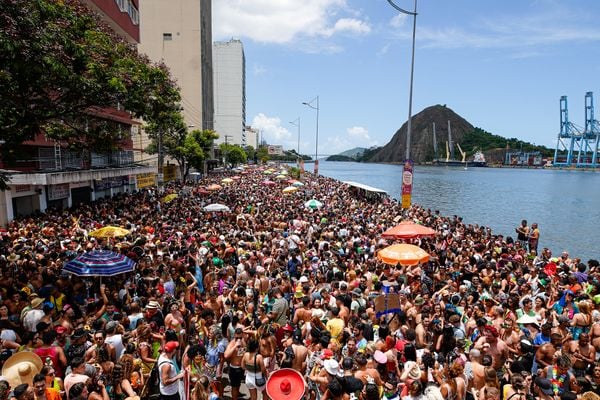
point(315, 107)
point(296, 123)
point(407, 173)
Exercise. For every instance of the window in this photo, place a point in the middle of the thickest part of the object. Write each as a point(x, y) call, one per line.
point(122, 5)
point(133, 13)
point(167, 36)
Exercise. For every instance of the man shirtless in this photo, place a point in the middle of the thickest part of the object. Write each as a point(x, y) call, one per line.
point(582, 354)
point(233, 354)
point(300, 353)
point(215, 303)
point(476, 378)
point(544, 356)
point(366, 374)
point(491, 344)
point(303, 314)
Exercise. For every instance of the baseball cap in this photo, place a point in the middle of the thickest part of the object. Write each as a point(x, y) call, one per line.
point(171, 346)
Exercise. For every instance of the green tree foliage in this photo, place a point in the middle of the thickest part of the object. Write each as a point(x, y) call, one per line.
point(483, 140)
point(233, 153)
point(262, 154)
point(61, 67)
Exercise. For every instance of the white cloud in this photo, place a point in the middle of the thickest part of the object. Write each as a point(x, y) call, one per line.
point(258, 70)
point(510, 32)
point(398, 20)
point(350, 25)
point(384, 50)
point(356, 136)
point(283, 21)
point(272, 131)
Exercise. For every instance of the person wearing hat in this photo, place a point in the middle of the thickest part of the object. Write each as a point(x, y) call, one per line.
point(33, 316)
point(286, 384)
point(331, 369)
point(169, 373)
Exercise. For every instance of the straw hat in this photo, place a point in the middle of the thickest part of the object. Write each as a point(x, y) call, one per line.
point(153, 304)
point(414, 371)
point(36, 302)
point(286, 384)
point(21, 367)
point(13, 257)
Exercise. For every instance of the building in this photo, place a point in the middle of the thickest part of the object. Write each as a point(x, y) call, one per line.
point(252, 137)
point(229, 80)
point(50, 175)
point(275, 150)
point(179, 33)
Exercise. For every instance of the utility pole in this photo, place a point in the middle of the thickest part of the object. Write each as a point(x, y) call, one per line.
point(225, 152)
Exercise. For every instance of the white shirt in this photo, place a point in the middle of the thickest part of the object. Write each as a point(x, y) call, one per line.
point(32, 318)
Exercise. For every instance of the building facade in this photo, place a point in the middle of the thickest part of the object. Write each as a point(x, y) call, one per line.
point(50, 175)
point(179, 33)
point(229, 80)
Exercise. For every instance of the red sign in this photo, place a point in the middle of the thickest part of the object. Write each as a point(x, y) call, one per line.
point(407, 183)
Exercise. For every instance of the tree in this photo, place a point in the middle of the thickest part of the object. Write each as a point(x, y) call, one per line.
point(250, 152)
point(262, 154)
point(61, 67)
point(234, 154)
point(190, 149)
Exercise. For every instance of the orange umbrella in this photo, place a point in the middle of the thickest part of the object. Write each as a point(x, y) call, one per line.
point(214, 187)
point(408, 230)
point(403, 254)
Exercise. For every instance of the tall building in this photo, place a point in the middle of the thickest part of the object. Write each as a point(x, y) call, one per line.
point(229, 68)
point(179, 33)
point(51, 175)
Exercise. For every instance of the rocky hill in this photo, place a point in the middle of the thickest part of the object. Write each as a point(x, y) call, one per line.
point(422, 136)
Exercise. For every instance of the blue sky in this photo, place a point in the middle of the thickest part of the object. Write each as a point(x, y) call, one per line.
point(502, 65)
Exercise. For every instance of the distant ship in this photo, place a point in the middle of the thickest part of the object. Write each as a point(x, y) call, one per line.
point(477, 161)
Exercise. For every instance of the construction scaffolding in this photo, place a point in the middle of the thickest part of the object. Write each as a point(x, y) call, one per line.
point(578, 147)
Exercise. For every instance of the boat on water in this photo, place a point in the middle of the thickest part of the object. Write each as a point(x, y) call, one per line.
point(477, 161)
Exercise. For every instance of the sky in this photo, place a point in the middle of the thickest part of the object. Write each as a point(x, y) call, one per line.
point(501, 65)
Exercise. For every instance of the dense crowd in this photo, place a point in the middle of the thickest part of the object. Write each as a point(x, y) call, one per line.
point(228, 301)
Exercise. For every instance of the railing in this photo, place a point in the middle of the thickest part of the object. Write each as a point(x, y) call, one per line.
point(48, 161)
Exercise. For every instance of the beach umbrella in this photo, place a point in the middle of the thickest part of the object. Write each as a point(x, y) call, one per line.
point(110, 231)
point(267, 182)
point(290, 189)
point(216, 208)
point(169, 197)
point(408, 230)
point(214, 187)
point(403, 254)
point(236, 177)
point(227, 180)
point(99, 263)
point(280, 177)
point(297, 184)
point(203, 191)
point(313, 203)
point(283, 172)
point(267, 172)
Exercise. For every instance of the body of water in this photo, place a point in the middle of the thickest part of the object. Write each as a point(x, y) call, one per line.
point(565, 204)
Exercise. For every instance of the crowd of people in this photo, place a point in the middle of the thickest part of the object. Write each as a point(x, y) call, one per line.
point(279, 296)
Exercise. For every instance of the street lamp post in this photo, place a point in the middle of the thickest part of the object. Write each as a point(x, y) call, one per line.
point(407, 173)
point(315, 107)
point(296, 123)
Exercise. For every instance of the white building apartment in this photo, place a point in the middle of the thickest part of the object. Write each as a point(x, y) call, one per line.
point(229, 80)
point(179, 33)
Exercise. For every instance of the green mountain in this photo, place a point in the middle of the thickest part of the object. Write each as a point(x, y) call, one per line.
point(469, 138)
point(348, 155)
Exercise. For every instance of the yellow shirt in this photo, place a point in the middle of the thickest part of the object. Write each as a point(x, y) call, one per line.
point(335, 327)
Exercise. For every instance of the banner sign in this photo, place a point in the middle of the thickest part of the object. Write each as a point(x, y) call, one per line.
point(169, 173)
point(145, 180)
point(56, 192)
point(407, 183)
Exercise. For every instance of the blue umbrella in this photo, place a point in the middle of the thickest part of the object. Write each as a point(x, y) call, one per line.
point(100, 263)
